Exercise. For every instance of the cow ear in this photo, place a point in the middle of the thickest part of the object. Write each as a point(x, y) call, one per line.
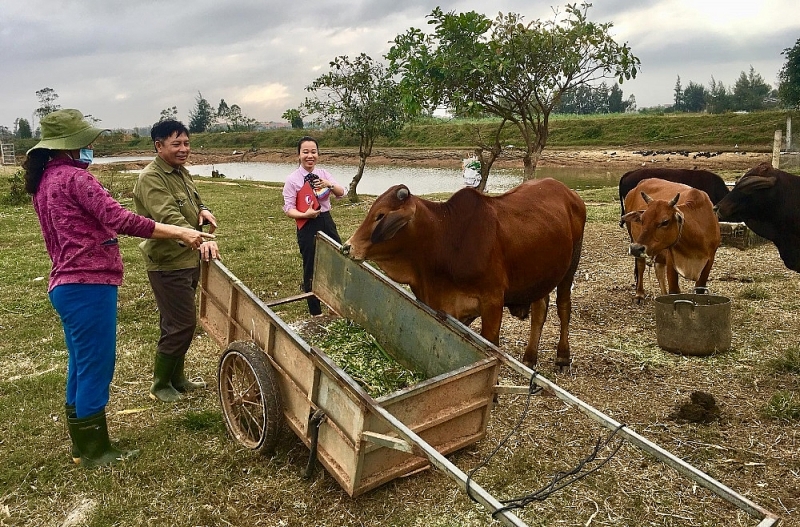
point(748, 184)
point(679, 218)
point(675, 199)
point(646, 198)
point(388, 226)
point(632, 216)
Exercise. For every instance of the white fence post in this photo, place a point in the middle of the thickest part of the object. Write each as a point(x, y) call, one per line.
point(776, 150)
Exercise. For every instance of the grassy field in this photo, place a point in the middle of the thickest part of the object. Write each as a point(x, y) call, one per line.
point(190, 473)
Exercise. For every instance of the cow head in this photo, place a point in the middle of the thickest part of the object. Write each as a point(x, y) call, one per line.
point(391, 212)
point(748, 197)
point(658, 227)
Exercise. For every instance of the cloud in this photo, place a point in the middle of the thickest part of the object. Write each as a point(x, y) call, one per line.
point(125, 61)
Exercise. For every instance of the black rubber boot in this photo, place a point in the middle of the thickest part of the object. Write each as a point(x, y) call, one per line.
point(179, 380)
point(91, 437)
point(162, 388)
point(69, 411)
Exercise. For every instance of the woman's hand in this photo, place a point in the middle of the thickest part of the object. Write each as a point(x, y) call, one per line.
point(322, 183)
point(193, 238)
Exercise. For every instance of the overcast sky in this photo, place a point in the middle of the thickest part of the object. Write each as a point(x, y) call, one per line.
point(125, 61)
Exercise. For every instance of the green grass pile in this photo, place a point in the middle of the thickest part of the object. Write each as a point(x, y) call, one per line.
point(362, 358)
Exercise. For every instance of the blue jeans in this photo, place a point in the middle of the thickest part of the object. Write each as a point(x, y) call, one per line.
point(89, 317)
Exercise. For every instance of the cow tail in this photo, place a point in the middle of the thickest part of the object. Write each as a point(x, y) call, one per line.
point(577, 248)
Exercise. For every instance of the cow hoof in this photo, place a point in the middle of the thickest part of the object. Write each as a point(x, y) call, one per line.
point(563, 365)
point(529, 364)
point(638, 300)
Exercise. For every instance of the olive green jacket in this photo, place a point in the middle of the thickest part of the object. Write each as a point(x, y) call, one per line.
point(168, 195)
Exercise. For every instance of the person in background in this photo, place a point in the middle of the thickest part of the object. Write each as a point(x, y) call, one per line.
point(80, 222)
point(316, 220)
point(166, 193)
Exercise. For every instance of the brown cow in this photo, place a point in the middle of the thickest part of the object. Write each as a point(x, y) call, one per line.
point(674, 225)
point(474, 254)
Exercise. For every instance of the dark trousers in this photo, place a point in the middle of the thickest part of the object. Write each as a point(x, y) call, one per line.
point(175, 297)
point(306, 240)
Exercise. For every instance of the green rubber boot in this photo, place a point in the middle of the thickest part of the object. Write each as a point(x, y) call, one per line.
point(69, 411)
point(179, 380)
point(162, 388)
point(91, 437)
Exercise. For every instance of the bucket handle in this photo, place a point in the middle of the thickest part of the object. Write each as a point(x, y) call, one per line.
point(682, 302)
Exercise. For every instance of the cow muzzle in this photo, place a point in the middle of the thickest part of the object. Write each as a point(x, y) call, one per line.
point(346, 249)
point(636, 250)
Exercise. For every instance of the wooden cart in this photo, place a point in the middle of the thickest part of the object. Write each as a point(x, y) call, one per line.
point(268, 373)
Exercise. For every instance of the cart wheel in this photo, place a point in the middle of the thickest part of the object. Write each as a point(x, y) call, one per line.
point(249, 396)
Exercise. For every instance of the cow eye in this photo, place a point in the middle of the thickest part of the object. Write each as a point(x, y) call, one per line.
point(664, 223)
point(379, 217)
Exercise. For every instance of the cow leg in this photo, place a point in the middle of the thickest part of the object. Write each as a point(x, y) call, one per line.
point(703, 280)
point(640, 265)
point(564, 306)
point(663, 277)
point(538, 316)
point(491, 319)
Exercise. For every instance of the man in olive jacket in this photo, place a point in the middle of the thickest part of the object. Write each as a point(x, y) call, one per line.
point(166, 193)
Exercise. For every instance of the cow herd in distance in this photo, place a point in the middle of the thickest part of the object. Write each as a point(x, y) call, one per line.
point(471, 255)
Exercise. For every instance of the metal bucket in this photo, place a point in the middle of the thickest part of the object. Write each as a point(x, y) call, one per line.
point(693, 324)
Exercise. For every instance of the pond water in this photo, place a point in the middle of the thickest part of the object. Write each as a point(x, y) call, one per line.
point(120, 159)
point(419, 180)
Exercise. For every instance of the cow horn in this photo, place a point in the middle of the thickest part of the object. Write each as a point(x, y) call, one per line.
point(675, 199)
point(646, 198)
point(402, 193)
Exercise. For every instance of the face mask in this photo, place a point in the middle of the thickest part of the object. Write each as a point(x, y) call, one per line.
point(87, 155)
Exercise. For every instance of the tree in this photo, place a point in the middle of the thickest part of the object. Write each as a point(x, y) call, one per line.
point(223, 110)
point(233, 118)
point(238, 122)
point(168, 113)
point(615, 102)
point(518, 72)
point(718, 100)
point(22, 129)
point(202, 116)
point(294, 117)
point(47, 102)
point(789, 77)
point(678, 90)
point(750, 91)
point(630, 104)
point(359, 97)
point(694, 97)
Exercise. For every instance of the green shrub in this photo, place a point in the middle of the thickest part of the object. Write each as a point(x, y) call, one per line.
point(754, 292)
point(16, 192)
point(788, 362)
point(783, 404)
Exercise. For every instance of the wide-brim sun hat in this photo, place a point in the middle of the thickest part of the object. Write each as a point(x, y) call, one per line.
point(66, 130)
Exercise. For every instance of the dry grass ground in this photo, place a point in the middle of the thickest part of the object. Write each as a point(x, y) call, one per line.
point(190, 473)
